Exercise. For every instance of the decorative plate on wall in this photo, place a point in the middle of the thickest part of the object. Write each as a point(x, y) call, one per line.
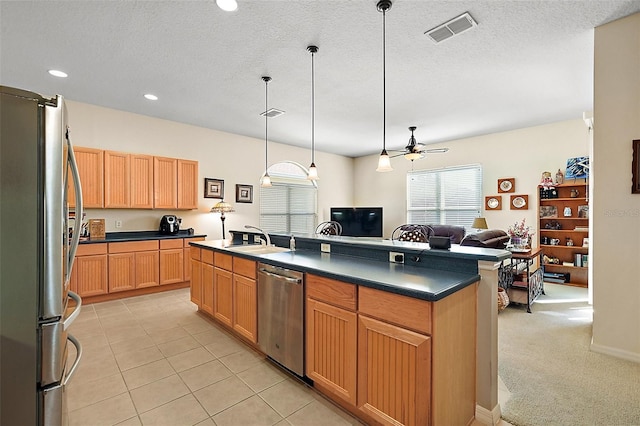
point(493, 202)
point(519, 202)
point(507, 185)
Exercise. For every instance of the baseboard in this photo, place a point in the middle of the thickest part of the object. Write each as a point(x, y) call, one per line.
point(617, 353)
point(488, 417)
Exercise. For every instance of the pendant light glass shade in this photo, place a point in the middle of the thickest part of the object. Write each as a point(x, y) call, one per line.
point(266, 179)
point(313, 171)
point(384, 163)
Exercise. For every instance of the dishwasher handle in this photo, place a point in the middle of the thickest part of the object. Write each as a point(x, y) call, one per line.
point(281, 277)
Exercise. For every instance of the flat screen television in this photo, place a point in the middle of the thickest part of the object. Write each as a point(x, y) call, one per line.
point(359, 221)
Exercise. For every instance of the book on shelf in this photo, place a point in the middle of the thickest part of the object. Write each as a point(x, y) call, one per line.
point(581, 228)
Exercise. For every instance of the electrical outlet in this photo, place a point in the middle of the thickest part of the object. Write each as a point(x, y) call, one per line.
point(325, 248)
point(396, 257)
point(118, 224)
point(245, 237)
point(256, 238)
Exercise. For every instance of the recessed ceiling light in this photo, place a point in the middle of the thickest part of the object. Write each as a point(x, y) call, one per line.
point(57, 73)
point(151, 97)
point(227, 5)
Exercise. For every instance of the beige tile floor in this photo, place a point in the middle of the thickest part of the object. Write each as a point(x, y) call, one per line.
point(153, 360)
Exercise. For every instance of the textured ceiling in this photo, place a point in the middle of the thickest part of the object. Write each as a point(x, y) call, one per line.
point(527, 63)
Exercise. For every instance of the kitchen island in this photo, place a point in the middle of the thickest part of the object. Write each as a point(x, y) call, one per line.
point(393, 343)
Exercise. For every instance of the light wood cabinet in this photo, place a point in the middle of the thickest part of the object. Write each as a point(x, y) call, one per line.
point(331, 353)
point(90, 270)
point(122, 274)
point(245, 312)
point(165, 183)
point(196, 282)
point(147, 269)
point(117, 175)
point(207, 288)
point(187, 184)
point(91, 169)
point(394, 373)
point(141, 181)
point(171, 261)
point(223, 296)
point(187, 255)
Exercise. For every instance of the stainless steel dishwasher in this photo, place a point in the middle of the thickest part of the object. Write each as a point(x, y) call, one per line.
point(281, 316)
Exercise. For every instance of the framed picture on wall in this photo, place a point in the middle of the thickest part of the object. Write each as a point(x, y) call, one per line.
point(213, 188)
point(244, 193)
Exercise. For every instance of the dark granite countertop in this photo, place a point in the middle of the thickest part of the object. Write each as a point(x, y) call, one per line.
point(418, 282)
point(119, 237)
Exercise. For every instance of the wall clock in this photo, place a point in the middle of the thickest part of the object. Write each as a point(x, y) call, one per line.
point(493, 202)
point(519, 202)
point(507, 185)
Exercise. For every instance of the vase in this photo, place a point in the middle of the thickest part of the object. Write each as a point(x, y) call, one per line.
point(519, 243)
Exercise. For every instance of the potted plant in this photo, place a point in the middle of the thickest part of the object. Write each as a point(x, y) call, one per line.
point(520, 235)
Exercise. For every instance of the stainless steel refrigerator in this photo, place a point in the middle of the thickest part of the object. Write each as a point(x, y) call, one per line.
point(36, 257)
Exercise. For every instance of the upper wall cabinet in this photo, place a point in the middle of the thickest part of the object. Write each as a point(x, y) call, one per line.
point(187, 184)
point(90, 167)
point(121, 180)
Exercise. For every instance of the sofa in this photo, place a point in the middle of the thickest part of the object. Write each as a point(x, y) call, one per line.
point(491, 238)
point(422, 233)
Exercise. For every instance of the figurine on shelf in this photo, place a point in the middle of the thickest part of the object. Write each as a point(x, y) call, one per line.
point(559, 177)
point(546, 181)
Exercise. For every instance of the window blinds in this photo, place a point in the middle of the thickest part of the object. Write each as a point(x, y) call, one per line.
point(288, 208)
point(451, 196)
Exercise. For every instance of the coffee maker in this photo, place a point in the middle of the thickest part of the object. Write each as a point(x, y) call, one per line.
point(170, 224)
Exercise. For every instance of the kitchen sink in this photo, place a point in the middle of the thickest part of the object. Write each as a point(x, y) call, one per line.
point(257, 249)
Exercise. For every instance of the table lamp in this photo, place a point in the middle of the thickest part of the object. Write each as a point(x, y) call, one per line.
point(479, 223)
point(222, 208)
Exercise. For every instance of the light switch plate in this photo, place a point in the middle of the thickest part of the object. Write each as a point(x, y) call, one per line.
point(325, 248)
point(396, 257)
point(245, 237)
point(256, 238)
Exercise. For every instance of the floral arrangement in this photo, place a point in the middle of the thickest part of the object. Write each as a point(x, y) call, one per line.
point(520, 230)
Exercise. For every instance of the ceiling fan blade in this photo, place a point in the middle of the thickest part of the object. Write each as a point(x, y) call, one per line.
point(397, 155)
point(436, 150)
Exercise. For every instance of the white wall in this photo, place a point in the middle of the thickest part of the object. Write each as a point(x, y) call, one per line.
point(616, 212)
point(521, 154)
point(233, 158)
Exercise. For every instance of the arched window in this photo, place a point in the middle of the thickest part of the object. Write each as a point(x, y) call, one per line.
point(289, 206)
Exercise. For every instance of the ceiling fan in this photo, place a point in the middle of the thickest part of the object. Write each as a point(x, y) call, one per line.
point(416, 151)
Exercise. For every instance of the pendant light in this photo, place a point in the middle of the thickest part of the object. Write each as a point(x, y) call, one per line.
point(384, 163)
point(266, 179)
point(313, 172)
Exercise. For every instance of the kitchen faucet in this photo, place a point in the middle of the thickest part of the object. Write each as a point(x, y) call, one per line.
point(267, 239)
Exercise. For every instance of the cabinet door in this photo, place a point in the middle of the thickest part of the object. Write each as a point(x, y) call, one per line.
point(331, 349)
point(147, 269)
point(165, 181)
point(117, 169)
point(187, 264)
point(171, 266)
point(187, 184)
point(121, 272)
point(245, 311)
point(90, 167)
point(394, 373)
point(196, 282)
point(207, 288)
point(91, 275)
point(223, 296)
point(141, 182)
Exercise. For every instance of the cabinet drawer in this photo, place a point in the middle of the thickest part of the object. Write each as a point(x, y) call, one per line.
point(414, 314)
point(207, 256)
point(195, 253)
point(91, 249)
point(131, 246)
point(188, 240)
point(244, 267)
point(334, 292)
point(171, 244)
point(223, 261)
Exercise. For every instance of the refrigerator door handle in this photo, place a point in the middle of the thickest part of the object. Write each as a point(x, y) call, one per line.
point(76, 311)
point(72, 370)
point(79, 208)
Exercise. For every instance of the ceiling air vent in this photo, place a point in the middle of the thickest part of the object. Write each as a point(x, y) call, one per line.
point(272, 112)
point(456, 26)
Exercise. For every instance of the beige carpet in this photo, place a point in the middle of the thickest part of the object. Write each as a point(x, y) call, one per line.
point(545, 363)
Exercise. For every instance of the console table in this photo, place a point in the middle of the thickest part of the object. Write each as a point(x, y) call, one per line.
point(520, 265)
